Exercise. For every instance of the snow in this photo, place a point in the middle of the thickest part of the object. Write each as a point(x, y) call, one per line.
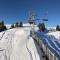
point(16, 44)
point(51, 28)
point(56, 34)
point(8, 26)
point(26, 24)
point(33, 50)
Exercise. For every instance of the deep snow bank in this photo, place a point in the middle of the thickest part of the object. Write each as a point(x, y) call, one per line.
point(16, 44)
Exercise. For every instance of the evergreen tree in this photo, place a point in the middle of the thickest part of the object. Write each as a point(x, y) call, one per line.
point(57, 28)
point(21, 24)
point(2, 26)
point(12, 26)
point(16, 25)
point(2, 23)
point(41, 27)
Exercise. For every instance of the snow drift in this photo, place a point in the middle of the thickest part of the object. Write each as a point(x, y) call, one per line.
point(16, 44)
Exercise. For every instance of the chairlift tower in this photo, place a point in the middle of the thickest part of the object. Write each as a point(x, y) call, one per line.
point(31, 20)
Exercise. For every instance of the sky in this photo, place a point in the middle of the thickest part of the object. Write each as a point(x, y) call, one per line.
point(12, 11)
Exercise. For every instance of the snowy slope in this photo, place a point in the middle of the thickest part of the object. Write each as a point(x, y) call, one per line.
point(16, 44)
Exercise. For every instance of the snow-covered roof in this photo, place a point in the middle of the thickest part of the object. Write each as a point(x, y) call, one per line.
point(50, 41)
point(56, 34)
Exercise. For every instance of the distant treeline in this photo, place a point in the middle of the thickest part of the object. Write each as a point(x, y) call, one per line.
point(3, 27)
point(40, 25)
point(16, 25)
point(43, 28)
